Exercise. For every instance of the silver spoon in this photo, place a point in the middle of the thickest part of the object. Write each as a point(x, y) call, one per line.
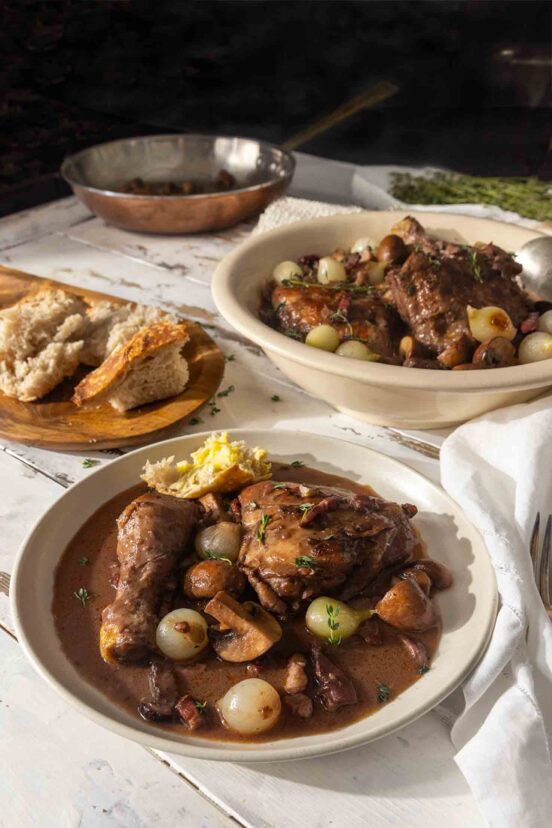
point(536, 259)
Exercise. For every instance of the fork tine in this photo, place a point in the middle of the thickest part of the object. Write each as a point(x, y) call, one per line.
point(544, 574)
point(534, 546)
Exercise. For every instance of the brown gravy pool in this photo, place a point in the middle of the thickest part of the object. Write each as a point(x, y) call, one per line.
point(207, 680)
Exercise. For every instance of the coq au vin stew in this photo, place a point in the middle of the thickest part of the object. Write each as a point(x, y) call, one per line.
point(247, 600)
point(412, 300)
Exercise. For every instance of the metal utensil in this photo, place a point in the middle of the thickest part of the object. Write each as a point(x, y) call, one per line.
point(542, 561)
point(536, 259)
point(98, 176)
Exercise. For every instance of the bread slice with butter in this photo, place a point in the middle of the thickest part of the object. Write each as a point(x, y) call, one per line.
point(149, 367)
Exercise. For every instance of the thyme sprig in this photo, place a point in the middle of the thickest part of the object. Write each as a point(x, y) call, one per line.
point(383, 692)
point(261, 530)
point(305, 562)
point(333, 624)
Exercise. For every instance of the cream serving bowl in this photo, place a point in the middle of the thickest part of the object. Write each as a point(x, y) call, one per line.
point(382, 394)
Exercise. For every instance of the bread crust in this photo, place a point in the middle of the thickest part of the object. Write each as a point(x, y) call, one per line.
point(99, 384)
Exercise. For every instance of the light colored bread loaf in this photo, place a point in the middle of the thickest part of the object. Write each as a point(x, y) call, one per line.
point(149, 367)
point(112, 325)
point(40, 343)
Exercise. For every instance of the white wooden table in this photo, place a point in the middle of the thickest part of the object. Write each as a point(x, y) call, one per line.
point(57, 769)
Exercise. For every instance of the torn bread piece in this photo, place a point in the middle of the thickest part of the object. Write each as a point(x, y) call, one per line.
point(218, 465)
point(40, 342)
point(112, 325)
point(149, 367)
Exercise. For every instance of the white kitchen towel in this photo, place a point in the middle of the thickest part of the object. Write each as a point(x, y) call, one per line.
point(499, 469)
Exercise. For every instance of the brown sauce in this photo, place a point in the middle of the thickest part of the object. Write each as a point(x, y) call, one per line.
point(90, 561)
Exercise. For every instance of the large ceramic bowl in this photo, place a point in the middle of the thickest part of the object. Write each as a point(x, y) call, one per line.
point(468, 608)
point(98, 176)
point(382, 394)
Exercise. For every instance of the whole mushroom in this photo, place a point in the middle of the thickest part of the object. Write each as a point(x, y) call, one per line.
point(206, 578)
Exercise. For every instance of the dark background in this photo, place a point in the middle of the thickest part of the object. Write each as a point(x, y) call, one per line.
point(473, 76)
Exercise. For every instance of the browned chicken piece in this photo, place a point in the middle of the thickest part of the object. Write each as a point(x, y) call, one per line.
point(152, 533)
point(334, 687)
point(300, 541)
point(407, 607)
point(300, 705)
point(361, 316)
point(437, 282)
point(296, 680)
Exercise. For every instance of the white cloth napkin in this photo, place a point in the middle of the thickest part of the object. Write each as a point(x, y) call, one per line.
point(499, 469)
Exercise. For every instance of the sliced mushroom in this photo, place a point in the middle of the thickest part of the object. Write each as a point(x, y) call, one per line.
point(439, 575)
point(496, 353)
point(406, 607)
point(457, 353)
point(251, 629)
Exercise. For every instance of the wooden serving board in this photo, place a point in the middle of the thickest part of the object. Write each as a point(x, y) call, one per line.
point(54, 422)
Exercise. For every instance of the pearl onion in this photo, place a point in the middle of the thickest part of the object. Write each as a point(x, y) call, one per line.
point(222, 540)
point(186, 643)
point(490, 322)
point(317, 617)
point(324, 337)
point(286, 270)
point(251, 706)
point(363, 244)
point(535, 347)
point(354, 349)
point(545, 322)
point(330, 270)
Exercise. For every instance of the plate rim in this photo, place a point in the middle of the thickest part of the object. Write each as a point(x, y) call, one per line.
point(233, 751)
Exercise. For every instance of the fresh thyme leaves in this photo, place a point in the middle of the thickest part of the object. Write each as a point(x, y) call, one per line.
point(423, 669)
point(196, 421)
point(332, 613)
point(83, 595)
point(261, 530)
point(278, 486)
point(477, 275)
point(383, 692)
point(84, 561)
point(201, 705)
point(226, 391)
point(527, 196)
point(305, 562)
point(212, 556)
point(305, 507)
point(88, 463)
point(229, 358)
point(339, 316)
point(276, 398)
point(297, 464)
point(348, 287)
point(213, 406)
point(293, 334)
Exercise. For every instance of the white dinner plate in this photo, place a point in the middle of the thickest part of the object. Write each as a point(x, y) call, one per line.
point(468, 608)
